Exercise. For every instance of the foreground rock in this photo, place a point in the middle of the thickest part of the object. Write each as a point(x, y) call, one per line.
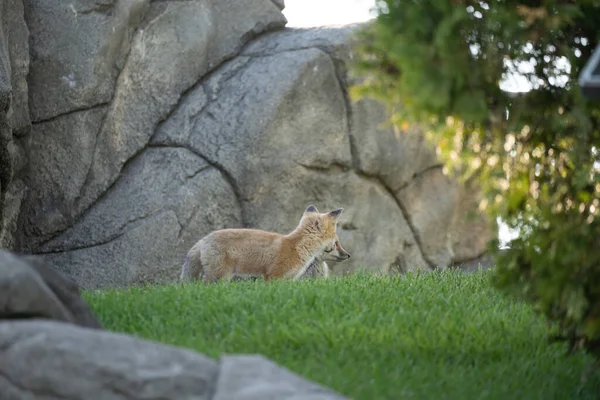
point(51, 360)
point(31, 289)
point(155, 129)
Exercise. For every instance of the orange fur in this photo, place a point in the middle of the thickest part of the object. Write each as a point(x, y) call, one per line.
point(225, 253)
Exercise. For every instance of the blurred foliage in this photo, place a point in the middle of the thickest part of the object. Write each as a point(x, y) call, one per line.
point(440, 64)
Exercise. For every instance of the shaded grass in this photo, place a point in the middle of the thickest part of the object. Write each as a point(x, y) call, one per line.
point(445, 335)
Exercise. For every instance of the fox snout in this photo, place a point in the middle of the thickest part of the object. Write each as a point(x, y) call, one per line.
point(342, 254)
point(337, 254)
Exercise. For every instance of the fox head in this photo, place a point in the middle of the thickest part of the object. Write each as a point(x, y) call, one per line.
point(323, 226)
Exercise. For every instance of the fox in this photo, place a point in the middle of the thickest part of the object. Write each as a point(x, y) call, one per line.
point(319, 267)
point(226, 253)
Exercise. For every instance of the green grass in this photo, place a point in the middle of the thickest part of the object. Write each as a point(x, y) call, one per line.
point(442, 335)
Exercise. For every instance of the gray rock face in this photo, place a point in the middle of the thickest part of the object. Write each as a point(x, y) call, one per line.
point(14, 114)
point(176, 118)
point(16, 38)
point(177, 43)
point(30, 289)
point(81, 74)
point(39, 358)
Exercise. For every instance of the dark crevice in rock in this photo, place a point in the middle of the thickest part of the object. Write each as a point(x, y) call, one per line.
point(184, 226)
point(200, 83)
point(398, 265)
point(427, 170)
point(419, 174)
point(21, 315)
point(341, 75)
point(482, 255)
point(56, 250)
point(222, 170)
point(258, 30)
point(129, 225)
point(73, 111)
point(377, 180)
point(89, 209)
point(335, 167)
point(86, 182)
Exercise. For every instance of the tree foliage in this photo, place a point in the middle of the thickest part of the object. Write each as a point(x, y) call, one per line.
point(536, 154)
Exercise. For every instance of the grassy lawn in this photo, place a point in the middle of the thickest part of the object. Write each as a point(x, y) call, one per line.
point(442, 335)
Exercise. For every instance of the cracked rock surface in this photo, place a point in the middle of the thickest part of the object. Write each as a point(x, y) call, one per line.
point(155, 129)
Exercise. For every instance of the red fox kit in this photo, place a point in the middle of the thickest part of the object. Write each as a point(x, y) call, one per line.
point(226, 253)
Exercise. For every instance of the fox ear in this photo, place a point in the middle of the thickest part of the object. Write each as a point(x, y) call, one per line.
point(311, 208)
point(335, 214)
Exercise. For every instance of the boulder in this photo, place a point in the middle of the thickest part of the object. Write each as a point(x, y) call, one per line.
point(66, 291)
point(232, 122)
point(38, 360)
point(135, 61)
point(31, 289)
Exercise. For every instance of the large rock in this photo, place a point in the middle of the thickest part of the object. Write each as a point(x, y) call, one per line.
point(39, 360)
point(30, 289)
point(138, 74)
point(207, 126)
point(66, 291)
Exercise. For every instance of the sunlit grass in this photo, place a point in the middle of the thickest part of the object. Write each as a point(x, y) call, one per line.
point(445, 335)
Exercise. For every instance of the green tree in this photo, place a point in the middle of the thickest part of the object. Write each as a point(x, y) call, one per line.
point(439, 63)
